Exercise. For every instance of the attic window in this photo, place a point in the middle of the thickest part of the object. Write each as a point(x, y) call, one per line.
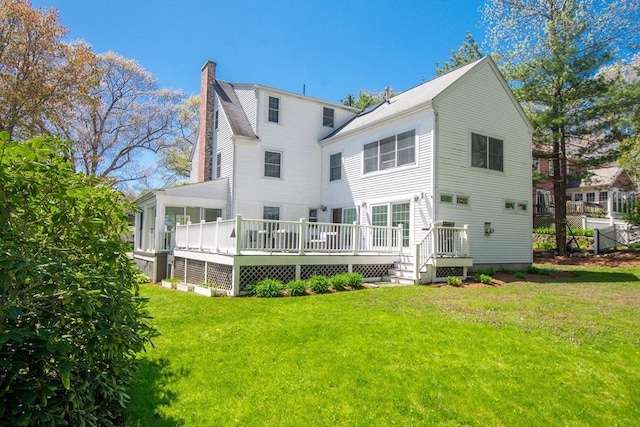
point(215, 120)
point(274, 109)
point(327, 117)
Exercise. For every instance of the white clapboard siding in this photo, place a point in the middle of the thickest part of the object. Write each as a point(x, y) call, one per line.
point(223, 144)
point(480, 104)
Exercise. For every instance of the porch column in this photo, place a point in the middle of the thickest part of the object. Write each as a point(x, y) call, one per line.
point(238, 241)
point(158, 245)
point(302, 239)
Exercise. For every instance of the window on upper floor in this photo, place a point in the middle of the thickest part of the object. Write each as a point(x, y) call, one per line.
point(218, 165)
point(391, 152)
point(335, 167)
point(487, 152)
point(215, 120)
point(272, 164)
point(327, 117)
point(274, 109)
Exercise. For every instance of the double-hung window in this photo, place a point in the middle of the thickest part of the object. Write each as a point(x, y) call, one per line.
point(272, 164)
point(218, 165)
point(487, 152)
point(335, 167)
point(274, 109)
point(390, 152)
point(327, 117)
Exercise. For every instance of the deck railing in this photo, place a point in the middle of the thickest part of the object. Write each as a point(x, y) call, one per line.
point(442, 241)
point(258, 235)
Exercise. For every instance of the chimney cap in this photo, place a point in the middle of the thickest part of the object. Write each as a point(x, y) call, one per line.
point(207, 64)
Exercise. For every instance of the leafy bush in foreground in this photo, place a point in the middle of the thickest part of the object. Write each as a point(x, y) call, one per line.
point(454, 281)
point(71, 320)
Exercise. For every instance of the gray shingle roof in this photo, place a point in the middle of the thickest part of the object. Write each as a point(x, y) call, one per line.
point(238, 120)
point(405, 101)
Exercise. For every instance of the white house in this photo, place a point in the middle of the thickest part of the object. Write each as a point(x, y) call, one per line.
point(419, 187)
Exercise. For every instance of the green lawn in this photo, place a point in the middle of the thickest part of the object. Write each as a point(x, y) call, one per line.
point(539, 354)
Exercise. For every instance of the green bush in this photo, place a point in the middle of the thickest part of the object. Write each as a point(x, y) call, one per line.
point(354, 280)
point(268, 288)
point(339, 281)
point(454, 281)
point(544, 246)
point(484, 278)
point(297, 288)
point(535, 270)
point(70, 314)
point(319, 284)
point(489, 271)
point(519, 274)
point(552, 231)
point(544, 230)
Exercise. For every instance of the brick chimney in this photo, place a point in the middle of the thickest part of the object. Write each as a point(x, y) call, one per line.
point(205, 125)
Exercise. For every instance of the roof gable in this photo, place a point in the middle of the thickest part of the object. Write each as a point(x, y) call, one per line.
point(422, 96)
point(236, 115)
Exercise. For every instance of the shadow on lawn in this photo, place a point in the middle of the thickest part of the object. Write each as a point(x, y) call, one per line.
point(604, 276)
point(151, 392)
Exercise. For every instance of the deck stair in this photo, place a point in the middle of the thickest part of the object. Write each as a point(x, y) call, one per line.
point(403, 271)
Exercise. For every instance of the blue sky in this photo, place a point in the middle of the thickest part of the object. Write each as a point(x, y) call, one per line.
point(333, 47)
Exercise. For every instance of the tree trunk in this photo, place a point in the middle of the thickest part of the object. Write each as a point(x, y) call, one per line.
point(560, 193)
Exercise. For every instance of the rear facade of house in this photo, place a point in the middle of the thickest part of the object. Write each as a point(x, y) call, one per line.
point(451, 154)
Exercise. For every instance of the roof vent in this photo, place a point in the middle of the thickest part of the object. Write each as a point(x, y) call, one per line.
point(387, 91)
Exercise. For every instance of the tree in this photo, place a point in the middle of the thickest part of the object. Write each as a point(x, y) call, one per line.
point(551, 52)
point(468, 52)
point(126, 116)
point(41, 77)
point(366, 98)
point(625, 98)
point(71, 319)
point(175, 158)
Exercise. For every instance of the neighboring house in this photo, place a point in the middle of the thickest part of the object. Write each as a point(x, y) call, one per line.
point(603, 192)
point(425, 184)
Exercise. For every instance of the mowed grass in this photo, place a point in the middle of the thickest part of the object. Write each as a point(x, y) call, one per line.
point(532, 354)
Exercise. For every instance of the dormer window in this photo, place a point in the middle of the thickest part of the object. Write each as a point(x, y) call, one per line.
point(327, 117)
point(274, 109)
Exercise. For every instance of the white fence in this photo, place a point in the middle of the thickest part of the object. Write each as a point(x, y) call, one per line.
point(258, 235)
point(615, 236)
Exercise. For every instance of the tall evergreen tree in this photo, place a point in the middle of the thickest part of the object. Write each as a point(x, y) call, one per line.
point(551, 52)
point(468, 52)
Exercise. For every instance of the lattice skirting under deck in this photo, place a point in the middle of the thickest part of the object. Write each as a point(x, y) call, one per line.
point(449, 271)
point(372, 270)
point(219, 276)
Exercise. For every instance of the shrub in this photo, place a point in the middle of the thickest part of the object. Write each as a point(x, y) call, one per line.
point(519, 274)
point(319, 284)
point(546, 246)
point(489, 271)
point(72, 319)
point(268, 288)
point(484, 278)
point(532, 269)
point(250, 289)
point(142, 278)
point(339, 281)
point(454, 281)
point(297, 288)
point(354, 280)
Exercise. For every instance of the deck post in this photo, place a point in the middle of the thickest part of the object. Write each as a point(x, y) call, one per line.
point(217, 242)
point(200, 239)
point(355, 236)
point(302, 236)
point(417, 264)
point(238, 250)
point(400, 239)
point(466, 240)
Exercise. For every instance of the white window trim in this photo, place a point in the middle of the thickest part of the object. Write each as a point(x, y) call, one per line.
point(333, 125)
point(263, 163)
point(341, 167)
point(470, 152)
point(408, 166)
point(279, 98)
